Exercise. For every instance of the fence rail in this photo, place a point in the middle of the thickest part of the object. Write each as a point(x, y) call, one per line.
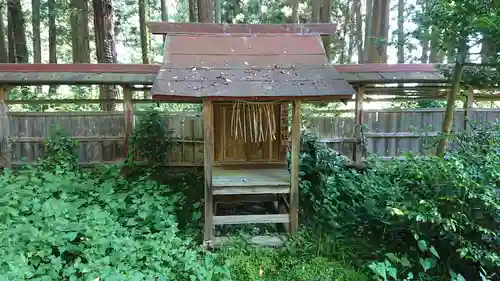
point(102, 135)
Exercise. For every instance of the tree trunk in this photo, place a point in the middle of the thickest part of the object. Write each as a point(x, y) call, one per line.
point(205, 11)
point(11, 46)
point(345, 35)
point(351, 32)
point(4, 57)
point(19, 32)
point(52, 39)
point(401, 31)
point(37, 41)
point(80, 31)
point(164, 14)
point(144, 35)
point(295, 11)
point(359, 31)
point(379, 34)
point(424, 42)
point(192, 10)
point(218, 11)
point(368, 29)
point(315, 9)
point(435, 48)
point(105, 46)
point(453, 93)
point(325, 17)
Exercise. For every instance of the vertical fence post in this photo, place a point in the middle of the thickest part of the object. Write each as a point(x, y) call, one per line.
point(468, 107)
point(5, 156)
point(358, 123)
point(128, 110)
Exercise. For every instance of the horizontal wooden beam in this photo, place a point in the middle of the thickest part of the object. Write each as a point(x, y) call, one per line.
point(249, 219)
point(211, 28)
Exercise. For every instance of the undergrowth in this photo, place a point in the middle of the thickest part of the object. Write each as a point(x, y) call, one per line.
point(421, 218)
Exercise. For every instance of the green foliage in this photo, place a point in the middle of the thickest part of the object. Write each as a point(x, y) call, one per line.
point(59, 154)
point(74, 227)
point(451, 204)
point(150, 140)
point(292, 263)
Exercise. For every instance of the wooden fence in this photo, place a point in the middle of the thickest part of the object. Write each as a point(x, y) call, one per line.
point(101, 135)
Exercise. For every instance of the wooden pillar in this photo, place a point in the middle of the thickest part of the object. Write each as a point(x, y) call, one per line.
point(5, 156)
point(468, 107)
point(128, 110)
point(295, 161)
point(208, 135)
point(358, 122)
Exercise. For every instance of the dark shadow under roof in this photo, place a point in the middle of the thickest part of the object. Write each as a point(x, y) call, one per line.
point(247, 66)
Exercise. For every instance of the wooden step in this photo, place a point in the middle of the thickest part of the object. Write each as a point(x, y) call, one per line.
point(248, 219)
point(250, 190)
point(260, 240)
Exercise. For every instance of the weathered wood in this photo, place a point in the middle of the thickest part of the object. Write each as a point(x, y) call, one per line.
point(468, 107)
point(204, 28)
point(248, 219)
point(261, 240)
point(359, 123)
point(5, 157)
point(295, 162)
point(208, 134)
point(128, 111)
point(250, 181)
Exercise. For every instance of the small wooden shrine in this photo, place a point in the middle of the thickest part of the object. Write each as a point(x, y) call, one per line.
point(246, 76)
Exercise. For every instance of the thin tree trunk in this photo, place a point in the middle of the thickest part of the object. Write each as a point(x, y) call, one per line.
point(359, 31)
point(369, 12)
point(434, 46)
point(37, 41)
point(164, 14)
point(379, 32)
point(345, 28)
point(453, 93)
point(192, 10)
point(205, 10)
point(325, 17)
point(218, 11)
point(352, 32)
point(11, 46)
point(144, 35)
point(295, 11)
point(80, 31)
point(17, 20)
point(4, 57)
point(105, 46)
point(315, 10)
point(52, 39)
point(401, 31)
point(425, 46)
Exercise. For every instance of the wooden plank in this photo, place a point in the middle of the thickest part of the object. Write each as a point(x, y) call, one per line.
point(206, 28)
point(248, 219)
point(260, 240)
point(208, 161)
point(251, 190)
point(295, 162)
point(239, 177)
point(74, 78)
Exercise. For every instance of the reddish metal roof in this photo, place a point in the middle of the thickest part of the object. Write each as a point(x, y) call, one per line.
point(264, 66)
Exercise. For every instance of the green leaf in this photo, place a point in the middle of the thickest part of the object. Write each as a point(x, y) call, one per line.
point(434, 252)
point(428, 263)
point(422, 245)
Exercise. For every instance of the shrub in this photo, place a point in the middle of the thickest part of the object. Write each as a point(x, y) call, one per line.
point(73, 227)
point(449, 204)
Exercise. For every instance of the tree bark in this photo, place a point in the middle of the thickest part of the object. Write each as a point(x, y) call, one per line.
point(4, 57)
point(192, 10)
point(105, 46)
point(359, 31)
point(345, 35)
point(295, 11)
point(80, 31)
point(325, 17)
point(218, 11)
point(315, 9)
point(453, 93)
point(144, 35)
point(11, 46)
point(52, 39)
point(164, 14)
point(379, 34)
point(205, 11)
point(401, 31)
point(37, 41)
point(18, 30)
point(369, 12)
point(351, 32)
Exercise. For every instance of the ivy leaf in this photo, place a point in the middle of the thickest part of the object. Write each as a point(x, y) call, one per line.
point(428, 263)
point(434, 252)
point(422, 245)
